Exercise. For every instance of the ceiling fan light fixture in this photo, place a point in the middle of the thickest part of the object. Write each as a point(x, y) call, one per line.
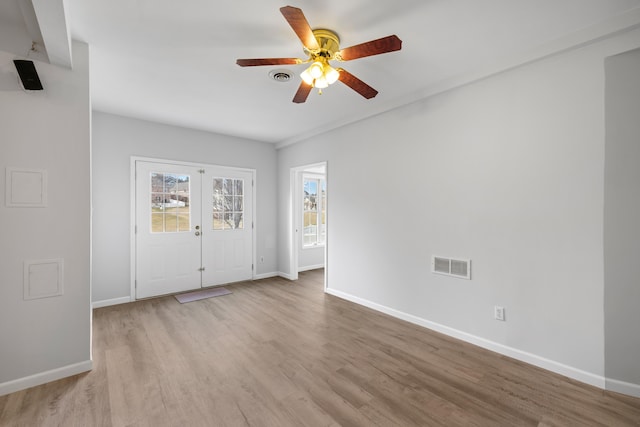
point(320, 83)
point(320, 75)
point(316, 70)
point(331, 74)
point(306, 77)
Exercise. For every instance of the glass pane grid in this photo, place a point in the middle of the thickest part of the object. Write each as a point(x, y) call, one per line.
point(170, 195)
point(313, 211)
point(228, 204)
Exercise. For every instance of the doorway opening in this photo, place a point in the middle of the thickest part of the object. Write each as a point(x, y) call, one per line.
point(309, 219)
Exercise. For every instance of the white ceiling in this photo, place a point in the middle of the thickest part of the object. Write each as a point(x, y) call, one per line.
point(174, 61)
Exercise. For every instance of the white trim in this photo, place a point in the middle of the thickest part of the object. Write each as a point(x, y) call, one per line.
point(326, 226)
point(311, 247)
point(91, 223)
point(310, 267)
point(45, 377)
point(287, 276)
point(618, 386)
point(294, 222)
point(254, 223)
point(132, 229)
point(266, 275)
point(541, 362)
point(109, 302)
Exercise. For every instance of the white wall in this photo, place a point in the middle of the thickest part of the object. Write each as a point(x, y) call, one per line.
point(508, 172)
point(48, 338)
point(621, 230)
point(115, 140)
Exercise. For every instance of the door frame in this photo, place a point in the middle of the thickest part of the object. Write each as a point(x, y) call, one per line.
point(295, 198)
point(132, 214)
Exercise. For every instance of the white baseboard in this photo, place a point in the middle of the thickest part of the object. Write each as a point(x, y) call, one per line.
point(45, 377)
point(310, 267)
point(123, 300)
point(623, 387)
point(108, 302)
point(265, 275)
point(285, 275)
point(550, 365)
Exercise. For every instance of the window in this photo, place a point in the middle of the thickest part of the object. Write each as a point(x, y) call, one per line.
point(314, 200)
point(169, 203)
point(228, 204)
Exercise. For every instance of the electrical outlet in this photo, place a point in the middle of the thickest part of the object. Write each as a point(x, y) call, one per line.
point(498, 313)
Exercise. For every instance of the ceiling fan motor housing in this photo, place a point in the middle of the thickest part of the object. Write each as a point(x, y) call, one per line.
point(328, 41)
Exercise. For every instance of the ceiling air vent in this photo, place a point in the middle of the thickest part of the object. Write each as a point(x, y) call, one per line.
point(281, 76)
point(451, 267)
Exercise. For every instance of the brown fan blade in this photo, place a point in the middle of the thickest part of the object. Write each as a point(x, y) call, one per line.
point(298, 22)
point(302, 93)
point(356, 84)
point(267, 61)
point(373, 47)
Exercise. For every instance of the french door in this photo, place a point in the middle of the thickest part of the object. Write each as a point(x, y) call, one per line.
point(194, 227)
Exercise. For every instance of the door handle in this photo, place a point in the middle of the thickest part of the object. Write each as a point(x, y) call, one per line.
point(197, 230)
point(197, 233)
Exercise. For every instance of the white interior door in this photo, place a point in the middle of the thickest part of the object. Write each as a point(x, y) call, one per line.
point(194, 227)
point(227, 242)
point(168, 216)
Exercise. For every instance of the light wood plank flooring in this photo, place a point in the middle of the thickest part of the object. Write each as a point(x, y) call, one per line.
point(281, 353)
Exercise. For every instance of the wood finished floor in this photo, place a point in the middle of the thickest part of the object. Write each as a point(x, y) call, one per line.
point(280, 353)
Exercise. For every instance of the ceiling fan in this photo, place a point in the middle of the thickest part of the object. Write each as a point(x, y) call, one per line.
point(322, 46)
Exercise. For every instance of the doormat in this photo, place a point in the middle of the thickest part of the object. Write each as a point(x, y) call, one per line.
point(203, 294)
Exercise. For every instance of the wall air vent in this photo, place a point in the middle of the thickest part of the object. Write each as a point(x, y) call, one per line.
point(451, 267)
